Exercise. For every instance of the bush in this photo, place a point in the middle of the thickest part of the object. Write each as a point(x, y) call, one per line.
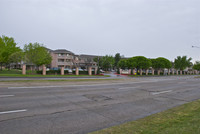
point(53, 72)
point(13, 71)
point(83, 72)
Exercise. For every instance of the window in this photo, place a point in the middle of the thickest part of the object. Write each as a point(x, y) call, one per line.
point(61, 54)
point(61, 60)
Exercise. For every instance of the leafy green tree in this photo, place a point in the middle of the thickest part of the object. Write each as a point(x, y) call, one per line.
point(142, 62)
point(16, 57)
point(181, 63)
point(161, 63)
point(132, 63)
point(117, 59)
point(98, 61)
point(122, 64)
point(107, 62)
point(196, 66)
point(37, 54)
point(8, 46)
point(154, 64)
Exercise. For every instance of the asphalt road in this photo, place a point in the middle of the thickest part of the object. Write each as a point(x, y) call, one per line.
point(83, 108)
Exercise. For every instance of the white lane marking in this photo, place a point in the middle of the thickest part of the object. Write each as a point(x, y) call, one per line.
point(155, 93)
point(14, 111)
point(83, 85)
point(129, 87)
point(6, 95)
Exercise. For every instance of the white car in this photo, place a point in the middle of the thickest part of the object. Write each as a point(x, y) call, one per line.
point(102, 71)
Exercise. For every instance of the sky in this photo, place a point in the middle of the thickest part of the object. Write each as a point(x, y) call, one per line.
point(150, 28)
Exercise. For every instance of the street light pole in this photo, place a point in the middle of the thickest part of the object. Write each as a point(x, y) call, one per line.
point(195, 47)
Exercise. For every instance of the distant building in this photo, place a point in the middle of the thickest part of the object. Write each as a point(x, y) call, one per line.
point(68, 60)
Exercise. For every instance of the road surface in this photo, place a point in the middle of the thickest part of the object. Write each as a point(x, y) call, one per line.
point(79, 108)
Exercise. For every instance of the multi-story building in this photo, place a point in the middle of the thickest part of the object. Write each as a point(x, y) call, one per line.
point(68, 60)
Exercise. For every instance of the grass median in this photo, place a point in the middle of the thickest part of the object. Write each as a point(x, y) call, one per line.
point(184, 119)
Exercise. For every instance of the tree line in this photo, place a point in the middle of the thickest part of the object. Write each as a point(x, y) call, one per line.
point(32, 53)
point(37, 54)
point(117, 62)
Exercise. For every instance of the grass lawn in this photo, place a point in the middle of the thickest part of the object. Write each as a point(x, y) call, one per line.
point(18, 73)
point(184, 119)
point(37, 75)
point(13, 71)
point(56, 80)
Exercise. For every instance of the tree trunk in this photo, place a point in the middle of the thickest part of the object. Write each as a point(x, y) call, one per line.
point(141, 72)
point(147, 71)
point(158, 71)
point(1, 66)
point(134, 71)
point(152, 71)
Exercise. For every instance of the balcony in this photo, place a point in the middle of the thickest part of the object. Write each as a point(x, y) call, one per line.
point(65, 63)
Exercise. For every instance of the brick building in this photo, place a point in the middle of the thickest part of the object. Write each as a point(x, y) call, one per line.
point(69, 60)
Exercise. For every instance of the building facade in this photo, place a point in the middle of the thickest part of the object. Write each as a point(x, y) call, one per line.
point(69, 60)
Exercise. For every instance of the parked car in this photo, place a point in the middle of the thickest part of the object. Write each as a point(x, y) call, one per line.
point(78, 69)
point(102, 71)
point(68, 69)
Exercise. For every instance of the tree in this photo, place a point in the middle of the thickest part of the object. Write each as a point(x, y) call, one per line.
point(131, 64)
point(154, 63)
point(97, 60)
point(181, 63)
point(108, 62)
point(196, 66)
point(161, 63)
point(8, 46)
point(16, 57)
point(142, 62)
point(122, 64)
point(105, 62)
point(37, 54)
point(117, 59)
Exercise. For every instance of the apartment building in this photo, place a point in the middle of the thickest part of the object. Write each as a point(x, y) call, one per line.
point(69, 60)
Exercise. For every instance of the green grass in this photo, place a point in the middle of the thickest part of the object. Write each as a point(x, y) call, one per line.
point(37, 75)
point(18, 73)
point(184, 119)
point(10, 72)
point(58, 80)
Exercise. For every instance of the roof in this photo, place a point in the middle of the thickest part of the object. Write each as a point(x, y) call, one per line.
point(89, 56)
point(62, 51)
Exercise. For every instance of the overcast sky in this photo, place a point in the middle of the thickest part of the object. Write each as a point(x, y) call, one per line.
point(151, 28)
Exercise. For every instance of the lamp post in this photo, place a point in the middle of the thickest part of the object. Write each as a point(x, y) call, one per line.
point(195, 47)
